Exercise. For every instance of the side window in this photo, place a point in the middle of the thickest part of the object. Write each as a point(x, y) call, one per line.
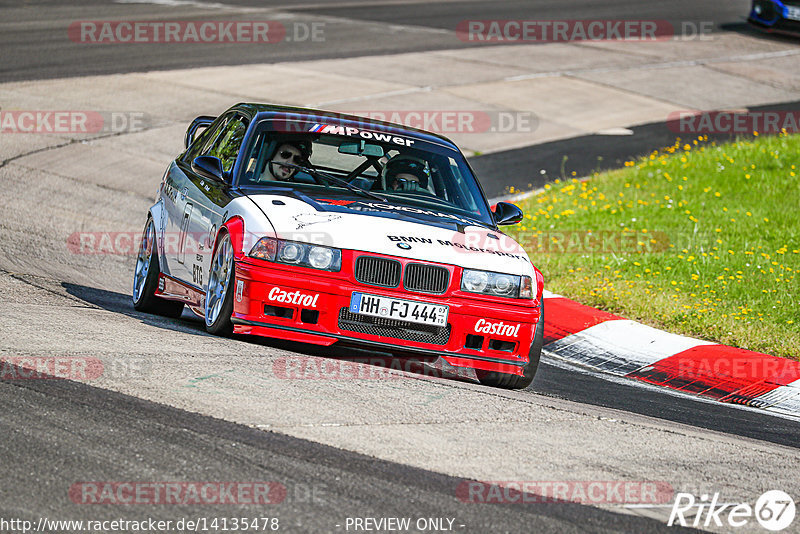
point(460, 191)
point(255, 159)
point(209, 142)
point(227, 146)
point(203, 144)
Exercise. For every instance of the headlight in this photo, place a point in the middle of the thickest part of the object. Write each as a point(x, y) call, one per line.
point(496, 284)
point(474, 281)
point(505, 285)
point(290, 252)
point(321, 257)
point(293, 253)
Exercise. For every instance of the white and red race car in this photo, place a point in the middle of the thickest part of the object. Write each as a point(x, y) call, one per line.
point(322, 228)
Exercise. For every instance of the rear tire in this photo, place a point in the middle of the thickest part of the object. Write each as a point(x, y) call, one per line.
point(507, 381)
point(145, 278)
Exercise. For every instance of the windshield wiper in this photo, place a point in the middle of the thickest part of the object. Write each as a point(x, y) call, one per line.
point(336, 180)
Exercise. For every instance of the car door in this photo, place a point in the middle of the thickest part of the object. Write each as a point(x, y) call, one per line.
point(206, 203)
point(181, 205)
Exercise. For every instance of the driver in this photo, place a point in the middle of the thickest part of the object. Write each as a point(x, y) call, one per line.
point(295, 153)
point(404, 173)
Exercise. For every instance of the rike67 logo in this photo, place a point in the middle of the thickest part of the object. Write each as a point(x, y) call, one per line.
point(774, 511)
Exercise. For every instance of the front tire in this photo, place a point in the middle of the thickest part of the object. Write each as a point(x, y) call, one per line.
point(507, 381)
point(219, 295)
point(145, 278)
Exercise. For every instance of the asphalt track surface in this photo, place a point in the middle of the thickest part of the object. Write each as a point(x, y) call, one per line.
point(87, 434)
point(55, 432)
point(32, 35)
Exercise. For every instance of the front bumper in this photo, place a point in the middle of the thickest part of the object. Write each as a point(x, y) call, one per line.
point(308, 306)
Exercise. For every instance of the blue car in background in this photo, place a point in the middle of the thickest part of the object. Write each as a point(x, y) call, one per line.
point(776, 15)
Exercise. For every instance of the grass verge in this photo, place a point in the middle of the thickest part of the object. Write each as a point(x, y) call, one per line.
point(699, 239)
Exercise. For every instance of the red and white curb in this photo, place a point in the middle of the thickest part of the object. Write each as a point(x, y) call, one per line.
point(608, 343)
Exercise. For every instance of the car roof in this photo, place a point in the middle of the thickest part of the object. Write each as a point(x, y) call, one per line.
point(271, 111)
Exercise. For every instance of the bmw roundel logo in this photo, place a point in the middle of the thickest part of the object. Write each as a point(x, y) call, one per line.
point(404, 246)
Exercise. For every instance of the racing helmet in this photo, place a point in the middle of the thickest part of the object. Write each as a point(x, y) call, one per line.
point(403, 164)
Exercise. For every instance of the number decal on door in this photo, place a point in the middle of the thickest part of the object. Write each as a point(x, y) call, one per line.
point(197, 274)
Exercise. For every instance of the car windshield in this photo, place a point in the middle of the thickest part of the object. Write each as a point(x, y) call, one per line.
point(398, 169)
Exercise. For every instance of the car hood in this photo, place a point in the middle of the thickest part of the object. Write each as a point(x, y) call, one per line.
point(394, 230)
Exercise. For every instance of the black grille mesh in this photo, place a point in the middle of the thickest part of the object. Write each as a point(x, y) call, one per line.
point(378, 326)
point(426, 278)
point(377, 271)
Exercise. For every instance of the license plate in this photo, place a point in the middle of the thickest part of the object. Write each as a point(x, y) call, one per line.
point(793, 13)
point(399, 309)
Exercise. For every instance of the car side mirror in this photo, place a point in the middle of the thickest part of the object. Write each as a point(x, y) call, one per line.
point(507, 213)
point(208, 167)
